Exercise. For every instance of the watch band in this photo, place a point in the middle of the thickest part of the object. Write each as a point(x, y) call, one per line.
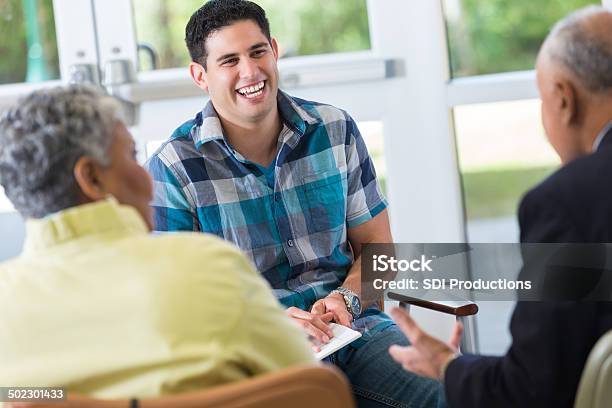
point(347, 302)
point(345, 291)
point(346, 294)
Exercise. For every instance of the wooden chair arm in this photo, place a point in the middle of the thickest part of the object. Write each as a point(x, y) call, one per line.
point(459, 308)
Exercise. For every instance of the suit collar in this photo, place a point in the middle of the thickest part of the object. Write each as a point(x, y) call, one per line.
point(604, 137)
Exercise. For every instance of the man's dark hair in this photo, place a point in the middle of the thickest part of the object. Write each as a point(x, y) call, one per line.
point(213, 16)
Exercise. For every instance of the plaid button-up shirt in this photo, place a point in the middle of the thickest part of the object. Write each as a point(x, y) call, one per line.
point(296, 231)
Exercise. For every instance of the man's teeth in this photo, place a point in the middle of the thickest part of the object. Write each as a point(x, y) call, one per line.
point(254, 95)
point(252, 91)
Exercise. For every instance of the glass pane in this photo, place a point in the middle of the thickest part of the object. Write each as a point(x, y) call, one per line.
point(372, 133)
point(13, 226)
point(27, 41)
point(491, 36)
point(341, 25)
point(503, 152)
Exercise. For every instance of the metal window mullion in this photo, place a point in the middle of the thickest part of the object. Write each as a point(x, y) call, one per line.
point(510, 86)
point(75, 33)
point(419, 136)
point(116, 34)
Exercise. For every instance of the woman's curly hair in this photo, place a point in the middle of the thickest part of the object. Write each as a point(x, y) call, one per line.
point(41, 140)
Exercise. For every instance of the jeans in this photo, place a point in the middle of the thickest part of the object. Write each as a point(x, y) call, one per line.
point(378, 381)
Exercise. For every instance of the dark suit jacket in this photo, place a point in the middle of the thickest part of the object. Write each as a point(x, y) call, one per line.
point(550, 340)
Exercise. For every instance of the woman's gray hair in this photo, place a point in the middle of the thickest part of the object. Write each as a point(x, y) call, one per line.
point(576, 42)
point(41, 140)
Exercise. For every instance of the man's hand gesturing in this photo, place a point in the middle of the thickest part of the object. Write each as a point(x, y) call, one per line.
point(426, 356)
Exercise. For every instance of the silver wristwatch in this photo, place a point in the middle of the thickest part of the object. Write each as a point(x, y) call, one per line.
point(353, 304)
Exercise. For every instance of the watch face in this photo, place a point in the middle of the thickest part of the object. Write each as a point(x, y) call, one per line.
point(356, 305)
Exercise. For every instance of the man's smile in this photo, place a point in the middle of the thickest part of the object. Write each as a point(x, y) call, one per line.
point(252, 91)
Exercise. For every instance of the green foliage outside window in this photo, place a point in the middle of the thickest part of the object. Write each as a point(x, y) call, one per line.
point(14, 26)
point(302, 27)
point(490, 36)
point(487, 36)
point(320, 26)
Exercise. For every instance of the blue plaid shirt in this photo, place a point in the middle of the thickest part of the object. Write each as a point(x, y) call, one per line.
point(296, 231)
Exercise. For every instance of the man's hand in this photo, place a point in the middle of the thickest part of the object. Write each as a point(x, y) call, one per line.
point(316, 326)
point(335, 305)
point(427, 356)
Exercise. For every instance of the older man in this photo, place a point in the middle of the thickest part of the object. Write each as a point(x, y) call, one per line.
point(551, 341)
point(95, 303)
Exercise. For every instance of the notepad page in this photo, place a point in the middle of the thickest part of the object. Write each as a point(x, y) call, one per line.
point(342, 336)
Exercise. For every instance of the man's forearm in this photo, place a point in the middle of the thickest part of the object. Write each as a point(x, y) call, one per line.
point(376, 230)
point(353, 282)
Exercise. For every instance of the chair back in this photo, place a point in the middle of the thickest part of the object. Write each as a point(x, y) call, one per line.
point(297, 387)
point(595, 388)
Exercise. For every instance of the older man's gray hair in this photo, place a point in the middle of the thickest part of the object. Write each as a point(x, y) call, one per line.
point(582, 42)
point(41, 140)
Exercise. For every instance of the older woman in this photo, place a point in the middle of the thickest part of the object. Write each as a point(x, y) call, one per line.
point(96, 304)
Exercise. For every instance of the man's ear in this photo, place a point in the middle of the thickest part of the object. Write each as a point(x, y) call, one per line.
point(86, 173)
point(565, 99)
point(198, 74)
point(274, 45)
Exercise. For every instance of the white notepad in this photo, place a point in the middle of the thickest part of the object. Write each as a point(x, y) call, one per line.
point(342, 336)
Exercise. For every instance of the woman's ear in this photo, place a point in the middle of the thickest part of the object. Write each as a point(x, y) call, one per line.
point(86, 173)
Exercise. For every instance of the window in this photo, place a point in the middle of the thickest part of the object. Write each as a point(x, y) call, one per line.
point(27, 41)
point(5, 204)
point(491, 36)
point(372, 133)
point(302, 27)
point(503, 152)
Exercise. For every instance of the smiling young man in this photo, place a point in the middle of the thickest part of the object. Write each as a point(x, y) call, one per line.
point(291, 183)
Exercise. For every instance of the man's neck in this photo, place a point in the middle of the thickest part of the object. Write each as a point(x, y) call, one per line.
point(258, 141)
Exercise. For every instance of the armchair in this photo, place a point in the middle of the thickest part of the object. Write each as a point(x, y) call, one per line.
point(595, 387)
point(463, 310)
point(296, 387)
